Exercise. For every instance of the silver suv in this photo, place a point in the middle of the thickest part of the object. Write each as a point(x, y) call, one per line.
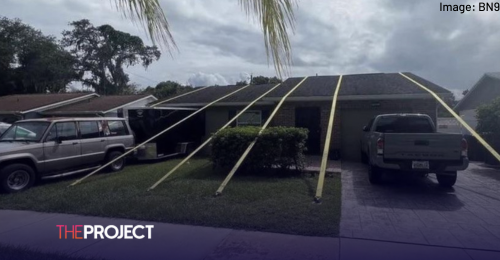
point(50, 148)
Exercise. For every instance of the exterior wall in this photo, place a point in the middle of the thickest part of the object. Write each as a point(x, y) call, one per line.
point(31, 115)
point(112, 114)
point(286, 115)
point(469, 116)
point(217, 117)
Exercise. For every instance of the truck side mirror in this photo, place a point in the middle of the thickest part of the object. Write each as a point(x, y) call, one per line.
point(365, 129)
point(58, 140)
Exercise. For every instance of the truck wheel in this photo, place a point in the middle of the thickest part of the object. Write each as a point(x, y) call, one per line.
point(375, 174)
point(447, 180)
point(364, 158)
point(16, 178)
point(118, 165)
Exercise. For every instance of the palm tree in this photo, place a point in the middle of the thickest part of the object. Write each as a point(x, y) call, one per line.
point(275, 18)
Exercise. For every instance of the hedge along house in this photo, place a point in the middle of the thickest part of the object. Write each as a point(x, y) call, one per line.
point(361, 97)
point(17, 107)
point(105, 106)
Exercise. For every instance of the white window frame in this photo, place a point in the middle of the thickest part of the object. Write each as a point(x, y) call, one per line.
point(239, 123)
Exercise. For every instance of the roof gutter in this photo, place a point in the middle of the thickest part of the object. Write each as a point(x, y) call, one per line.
point(58, 104)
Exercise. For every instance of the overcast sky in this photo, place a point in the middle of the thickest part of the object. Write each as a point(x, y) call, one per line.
point(218, 44)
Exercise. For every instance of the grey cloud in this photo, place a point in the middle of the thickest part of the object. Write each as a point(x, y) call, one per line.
point(217, 45)
point(422, 44)
point(203, 79)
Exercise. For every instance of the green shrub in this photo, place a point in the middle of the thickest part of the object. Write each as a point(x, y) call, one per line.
point(281, 147)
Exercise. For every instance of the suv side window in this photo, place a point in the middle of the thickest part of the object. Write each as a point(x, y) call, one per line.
point(117, 128)
point(64, 130)
point(89, 129)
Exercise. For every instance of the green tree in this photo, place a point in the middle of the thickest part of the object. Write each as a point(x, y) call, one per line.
point(241, 83)
point(488, 117)
point(31, 62)
point(102, 52)
point(276, 17)
point(166, 89)
point(260, 80)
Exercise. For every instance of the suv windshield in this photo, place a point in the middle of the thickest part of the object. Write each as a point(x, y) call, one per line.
point(404, 125)
point(25, 131)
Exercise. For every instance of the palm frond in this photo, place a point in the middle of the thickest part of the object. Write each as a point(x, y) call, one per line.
point(275, 17)
point(152, 17)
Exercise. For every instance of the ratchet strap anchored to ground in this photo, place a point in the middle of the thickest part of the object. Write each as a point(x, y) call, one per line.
point(470, 129)
point(160, 133)
point(210, 139)
point(324, 159)
point(247, 151)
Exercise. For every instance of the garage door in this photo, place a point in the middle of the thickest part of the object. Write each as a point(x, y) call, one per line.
point(352, 124)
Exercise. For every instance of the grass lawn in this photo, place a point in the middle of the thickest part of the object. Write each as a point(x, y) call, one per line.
point(261, 203)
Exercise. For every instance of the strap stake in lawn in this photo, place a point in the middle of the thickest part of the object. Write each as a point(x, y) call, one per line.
point(247, 151)
point(210, 139)
point(470, 129)
point(324, 159)
point(160, 133)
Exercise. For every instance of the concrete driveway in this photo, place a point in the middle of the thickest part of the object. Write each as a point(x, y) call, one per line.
point(419, 211)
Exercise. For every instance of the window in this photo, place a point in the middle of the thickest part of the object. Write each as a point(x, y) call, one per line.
point(89, 129)
point(65, 131)
point(25, 132)
point(404, 125)
point(114, 128)
point(250, 118)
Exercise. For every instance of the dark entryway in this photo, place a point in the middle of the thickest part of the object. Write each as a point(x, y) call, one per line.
point(310, 118)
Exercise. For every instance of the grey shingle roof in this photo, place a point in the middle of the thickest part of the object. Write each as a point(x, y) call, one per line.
point(97, 104)
point(20, 103)
point(484, 91)
point(317, 86)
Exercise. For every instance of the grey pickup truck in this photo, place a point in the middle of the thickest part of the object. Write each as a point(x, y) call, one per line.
point(49, 148)
point(410, 143)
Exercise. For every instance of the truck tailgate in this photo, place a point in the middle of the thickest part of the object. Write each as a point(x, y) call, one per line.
point(430, 146)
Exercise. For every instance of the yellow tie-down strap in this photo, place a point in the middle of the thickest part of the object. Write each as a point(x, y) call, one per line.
point(464, 124)
point(324, 159)
point(160, 133)
point(247, 151)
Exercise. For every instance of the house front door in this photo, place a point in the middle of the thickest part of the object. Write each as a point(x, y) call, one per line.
point(310, 118)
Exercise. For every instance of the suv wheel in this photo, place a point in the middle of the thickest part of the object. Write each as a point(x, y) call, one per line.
point(447, 180)
point(119, 164)
point(375, 174)
point(16, 177)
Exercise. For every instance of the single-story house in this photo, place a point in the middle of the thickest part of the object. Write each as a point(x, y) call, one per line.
point(106, 106)
point(17, 107)
point(483, 92)
point(361, 97)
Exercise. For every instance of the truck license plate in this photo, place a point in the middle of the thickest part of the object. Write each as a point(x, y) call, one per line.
point(420, 165)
